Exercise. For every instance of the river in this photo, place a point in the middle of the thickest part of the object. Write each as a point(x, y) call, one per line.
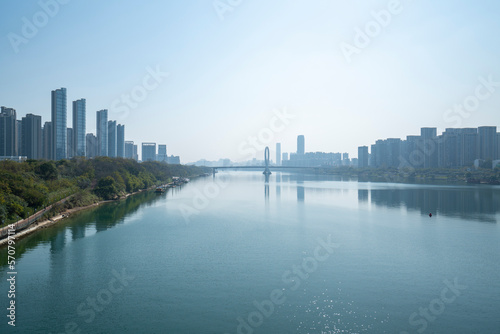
point(236, 254)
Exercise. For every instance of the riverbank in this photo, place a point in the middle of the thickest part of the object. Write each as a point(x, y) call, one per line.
point(67, 213)
point(49, 222)
point(62, 215)
point(422, 175)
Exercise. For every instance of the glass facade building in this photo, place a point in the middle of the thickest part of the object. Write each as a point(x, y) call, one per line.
point(120, 141)
point(148, 151)
point(102, 132)
point(112, 139)
point(79, 127)
point(32, 136)
point(8, 132)
point(59, 124)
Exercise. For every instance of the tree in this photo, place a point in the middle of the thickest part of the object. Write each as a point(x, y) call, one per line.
point(47, 171)
point(106, 188)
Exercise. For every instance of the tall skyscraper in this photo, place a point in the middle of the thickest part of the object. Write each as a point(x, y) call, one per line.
point(129, 149)
point(47, 141)
point(102, 132)
point(8, 132)
point(487, 137)
point(112, 139)
point(278, 154)
point(79, 127)
point(120, 141)
point(59, 129)
point(69, 143)
point(301, 145)
point(148, 152)
point(32, 136)
point(91, 146)
point(362, 156)
point(19, 138)
point(162, 153)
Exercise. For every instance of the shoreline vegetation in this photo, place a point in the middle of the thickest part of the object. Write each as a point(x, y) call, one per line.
point(51, 190)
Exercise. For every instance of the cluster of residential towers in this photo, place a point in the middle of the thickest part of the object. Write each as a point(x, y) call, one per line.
point(454, 148)
point(28, 139)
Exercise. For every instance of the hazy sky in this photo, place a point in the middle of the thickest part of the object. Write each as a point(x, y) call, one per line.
point(346, 79)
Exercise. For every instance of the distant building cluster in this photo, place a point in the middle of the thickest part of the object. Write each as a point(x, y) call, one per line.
point(29, 139)
point(301, 158)
point(454, 148)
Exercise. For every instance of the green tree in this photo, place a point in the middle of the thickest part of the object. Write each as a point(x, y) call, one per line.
point(106, 188)
point(47, 171)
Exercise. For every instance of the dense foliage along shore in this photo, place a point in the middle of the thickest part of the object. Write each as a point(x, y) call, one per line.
point(32, 185)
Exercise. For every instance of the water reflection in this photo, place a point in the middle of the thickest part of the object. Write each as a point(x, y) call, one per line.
point(266, 187)
point(278, 185)
point(476, 203)
point(363, 195)
point(101, 219)
point(480, 203)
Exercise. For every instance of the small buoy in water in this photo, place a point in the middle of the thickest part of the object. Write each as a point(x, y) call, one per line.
point(430, 214)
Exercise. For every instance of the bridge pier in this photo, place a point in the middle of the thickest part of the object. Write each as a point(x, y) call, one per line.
point(267, 172)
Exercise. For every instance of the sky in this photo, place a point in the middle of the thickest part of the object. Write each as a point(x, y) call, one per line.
point(225, 78)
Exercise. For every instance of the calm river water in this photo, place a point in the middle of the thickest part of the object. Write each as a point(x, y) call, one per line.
point(299, 254)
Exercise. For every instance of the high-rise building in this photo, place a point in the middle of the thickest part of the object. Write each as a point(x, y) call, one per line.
point(284, 157)
point(468, 147)
point(91, 146)
point(8, 132)
point(112, 139)
point(487, 140)
point(429, 147)
point(498, 145)
point(278, 154)
point(129, 149)
point(136, 155)
point(32, 136)
point(69, 143)
point(59, 131)
point(393, 152)
point(102, 132)
point(448, 144)
point(148, 152)
point(19, 138)
point(362, 156)
point(301, 146)
point(162, 153)
point(47, 141)
point(120, 140)
point(79, 127)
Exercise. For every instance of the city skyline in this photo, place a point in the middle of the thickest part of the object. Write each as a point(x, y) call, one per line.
point(26, 138)
point(483, 142)
point(407, 73)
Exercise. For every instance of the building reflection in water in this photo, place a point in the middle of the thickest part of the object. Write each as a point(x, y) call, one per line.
point(300, 188)
point(266, 187)
point(363, 195)
point(278, 185)
point(474, 202)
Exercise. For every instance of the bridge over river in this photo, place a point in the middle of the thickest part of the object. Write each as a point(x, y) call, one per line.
point(267, 168)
